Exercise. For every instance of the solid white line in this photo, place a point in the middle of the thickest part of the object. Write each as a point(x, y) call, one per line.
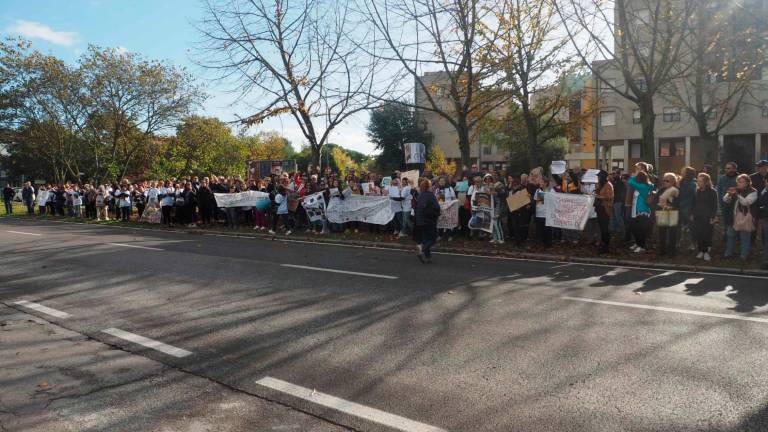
point(347, 407)
point(561, 266)
point(339, 271)
point(43, 309)
point(149, 343)
point(666, 309)
point(25, 233)
point(134, 246)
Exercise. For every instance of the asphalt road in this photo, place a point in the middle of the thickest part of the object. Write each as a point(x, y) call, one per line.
point(379, 341)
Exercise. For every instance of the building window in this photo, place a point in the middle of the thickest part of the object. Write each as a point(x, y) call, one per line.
point(635, 150)
point(764, 73)
point(640, 83)
point(765, 109)
point(488, 149)
point(608, 85)
point(671, 148)
point(671, 115)
point(607, 118)
point(710, 114)
point(636, 116)
point(577, 134)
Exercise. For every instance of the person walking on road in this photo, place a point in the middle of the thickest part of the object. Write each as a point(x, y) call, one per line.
point(427, 213)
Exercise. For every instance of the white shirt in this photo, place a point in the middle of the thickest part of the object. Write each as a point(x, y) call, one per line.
point(406, 203)
point(541, 206)
point(168, 199)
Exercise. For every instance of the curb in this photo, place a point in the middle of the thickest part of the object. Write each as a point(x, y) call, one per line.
point(450, 250)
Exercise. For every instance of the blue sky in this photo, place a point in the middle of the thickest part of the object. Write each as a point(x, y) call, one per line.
point(157, 29)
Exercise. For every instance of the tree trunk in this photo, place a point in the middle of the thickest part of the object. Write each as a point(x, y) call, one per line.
point(315, 150)
point(533, 136)
point(648, 123)
point(466, 159)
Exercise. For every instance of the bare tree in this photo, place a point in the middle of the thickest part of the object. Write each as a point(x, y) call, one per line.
point(537, 65)
point(296, 56)
point(721, 69)
point(440, 36)
point(643, 41)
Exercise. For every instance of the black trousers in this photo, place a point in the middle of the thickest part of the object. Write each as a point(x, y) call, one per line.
point(640, 226)
point(603, 222)
point(668, 240)
point(543, 232)
point(205, 214)
point(167, 212)
point(702, 234)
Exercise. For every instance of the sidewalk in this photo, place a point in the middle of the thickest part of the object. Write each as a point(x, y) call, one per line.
point(56, 380)
point(580, 254)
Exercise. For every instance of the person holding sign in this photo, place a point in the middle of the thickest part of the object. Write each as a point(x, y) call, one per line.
point(667, 215)
point(444, 192)
point(543, 232)
point(604, 208)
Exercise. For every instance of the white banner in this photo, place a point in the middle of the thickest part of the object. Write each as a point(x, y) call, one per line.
point(482, 212)
point(358, 208)
point(449, 215)
point(241, 199)
point(415, 153)
point(568, 211)
point(315, 206)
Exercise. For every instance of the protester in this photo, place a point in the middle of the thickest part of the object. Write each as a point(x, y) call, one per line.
point(742, 199)
point(28, 197)
point(604, 196)
point(668, 216)
point(704, 215)
point(8, 195)
point(640, 212)
point(101, 204)
point(762, 212)
point(726, 182)
point(543, 232)
point(759, 177)
point(427, 213)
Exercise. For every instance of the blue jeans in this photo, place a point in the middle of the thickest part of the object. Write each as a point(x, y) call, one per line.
point(617, 222)
point(30, 207)
point(8, 207)
point(745, 242)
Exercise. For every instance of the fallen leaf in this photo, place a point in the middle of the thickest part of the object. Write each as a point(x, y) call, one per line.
point(43, 384)
point(451, 292)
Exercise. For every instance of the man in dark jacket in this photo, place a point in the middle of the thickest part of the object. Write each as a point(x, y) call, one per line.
point(427, 213)
point(8, 194)
point(28, 196)
point(762, 217)
point(758, 178)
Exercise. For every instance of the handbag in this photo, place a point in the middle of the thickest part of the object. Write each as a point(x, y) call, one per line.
point(743, 221)
point(667, 218)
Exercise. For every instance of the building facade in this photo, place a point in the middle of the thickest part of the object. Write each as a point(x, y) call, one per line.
point(618, 132)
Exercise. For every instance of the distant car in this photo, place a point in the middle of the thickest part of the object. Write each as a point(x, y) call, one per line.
point(17, 197)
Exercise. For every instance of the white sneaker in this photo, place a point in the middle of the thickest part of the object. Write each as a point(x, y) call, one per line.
point(288, 232)
point(271, 232)
point(700, 255)
point(500, 242)
point(492, 241)
point(256, 228)
point(633, 247)
point(639, 250)
point(707, 257)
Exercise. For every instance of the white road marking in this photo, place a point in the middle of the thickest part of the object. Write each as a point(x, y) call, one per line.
point(135, 246)
point(339, 271)
point(561, 266)
point(25, 233)
point(347, 407)
point(44, 309)
point(149, 343)
point(666, 309)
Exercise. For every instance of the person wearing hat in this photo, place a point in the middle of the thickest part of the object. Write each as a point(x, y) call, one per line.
point(758, 178)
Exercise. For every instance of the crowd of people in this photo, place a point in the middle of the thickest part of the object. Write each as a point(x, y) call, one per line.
point(672, 211)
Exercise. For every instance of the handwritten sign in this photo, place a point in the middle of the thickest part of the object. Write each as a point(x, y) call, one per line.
point(568, 211)
point(449, 215)
point(518, 200)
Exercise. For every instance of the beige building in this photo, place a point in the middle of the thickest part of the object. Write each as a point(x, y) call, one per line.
point(744, 140)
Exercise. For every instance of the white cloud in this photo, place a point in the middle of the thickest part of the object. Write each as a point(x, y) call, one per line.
point(35, 30)
point(121, 50)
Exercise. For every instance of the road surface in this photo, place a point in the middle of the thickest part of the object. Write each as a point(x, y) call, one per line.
point(370, 339)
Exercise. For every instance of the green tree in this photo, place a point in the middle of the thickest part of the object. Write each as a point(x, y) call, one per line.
point(390, 127)
point(199, 144)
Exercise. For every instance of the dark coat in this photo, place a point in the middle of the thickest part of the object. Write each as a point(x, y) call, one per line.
point(704, 205)
point(427, 209)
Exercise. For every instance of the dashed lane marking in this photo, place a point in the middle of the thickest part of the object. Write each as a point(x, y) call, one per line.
point(347, 407)
point(43, 309)
point(373, 275)
point(147, 342)
point(135, 246)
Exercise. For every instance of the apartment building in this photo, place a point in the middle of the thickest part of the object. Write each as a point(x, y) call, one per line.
point(677, 142)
